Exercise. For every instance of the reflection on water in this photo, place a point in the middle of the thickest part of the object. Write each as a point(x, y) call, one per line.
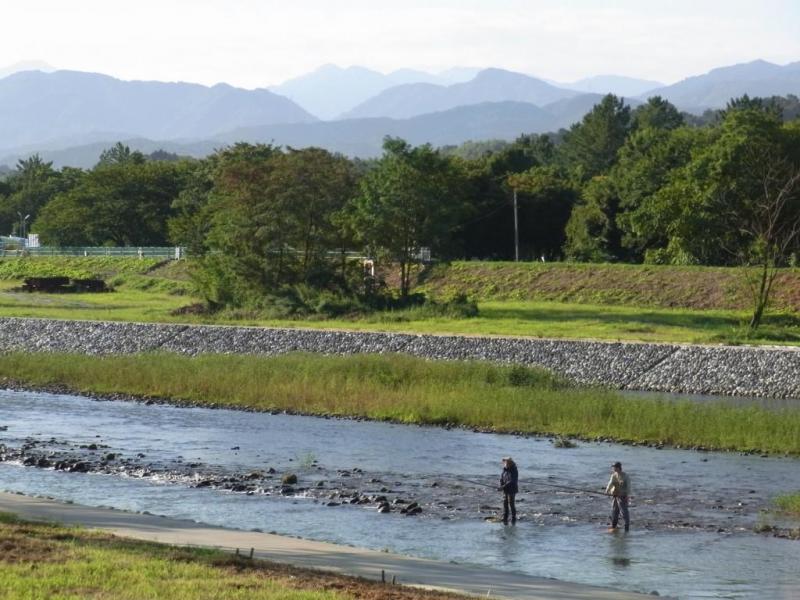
point(686, 564)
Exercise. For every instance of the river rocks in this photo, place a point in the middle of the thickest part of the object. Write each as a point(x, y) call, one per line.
point(411, 509)
point(289, 478)
point(741, 370)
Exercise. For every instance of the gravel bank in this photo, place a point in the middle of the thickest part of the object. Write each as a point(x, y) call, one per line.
point(744, 371)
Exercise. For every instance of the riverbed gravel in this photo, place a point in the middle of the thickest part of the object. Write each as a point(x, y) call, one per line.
point(769, 372)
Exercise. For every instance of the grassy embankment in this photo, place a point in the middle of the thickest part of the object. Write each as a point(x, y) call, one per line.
point(411, 390)
point(47, 561)
point(614, 302)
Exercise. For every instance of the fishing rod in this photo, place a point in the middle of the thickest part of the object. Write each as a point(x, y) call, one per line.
point(535, 482)
point(566, 487)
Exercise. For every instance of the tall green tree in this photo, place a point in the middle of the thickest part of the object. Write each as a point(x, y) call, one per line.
point(408, 201)
point(591, 232)
point(31, 186)
point(647, 162)
point(657, 113)
point(118, 205)
point(120, 154)
point(590, 147)
point(273, 221)
point(545, 197)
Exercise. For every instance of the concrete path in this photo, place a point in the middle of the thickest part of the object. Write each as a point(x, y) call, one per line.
point(316, 555)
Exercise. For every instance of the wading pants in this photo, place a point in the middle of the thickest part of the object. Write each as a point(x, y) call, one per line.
point(620, 505)
point(509, 503)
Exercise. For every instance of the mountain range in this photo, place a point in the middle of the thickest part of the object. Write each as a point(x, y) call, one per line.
point(330, 91)
point(70, 116)
point(38, 107)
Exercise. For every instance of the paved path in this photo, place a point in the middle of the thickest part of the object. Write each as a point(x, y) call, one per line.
point(316, 555)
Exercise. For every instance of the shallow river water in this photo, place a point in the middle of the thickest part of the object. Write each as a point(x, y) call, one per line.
point(693, 512)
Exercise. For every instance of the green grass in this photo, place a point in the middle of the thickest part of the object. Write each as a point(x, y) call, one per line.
point(74, 267)
point(50, 562)
point(121, 305)
point(410, 390)
point(148, 299)
point(657, 286)
point(788, 503)
point(144, 293)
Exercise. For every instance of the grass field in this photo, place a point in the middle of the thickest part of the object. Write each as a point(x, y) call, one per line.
point(48, 562)
point(655, 286)
point(411, 390)
point(610, 302)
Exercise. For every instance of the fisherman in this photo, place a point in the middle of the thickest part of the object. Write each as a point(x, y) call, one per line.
point(509, 486)
point(619, 486)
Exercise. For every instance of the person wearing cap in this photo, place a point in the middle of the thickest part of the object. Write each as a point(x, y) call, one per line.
point(509, 485)
point(619, 486)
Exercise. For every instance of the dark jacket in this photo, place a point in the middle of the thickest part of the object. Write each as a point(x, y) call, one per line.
point(508, 480)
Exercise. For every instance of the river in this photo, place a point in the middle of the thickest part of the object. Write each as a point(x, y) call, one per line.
point(693, 512)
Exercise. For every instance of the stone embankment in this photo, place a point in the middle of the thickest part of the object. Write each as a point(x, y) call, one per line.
point(729, 370)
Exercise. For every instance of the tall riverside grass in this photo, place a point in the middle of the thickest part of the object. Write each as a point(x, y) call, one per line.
point(789, 503)
point(412, 390)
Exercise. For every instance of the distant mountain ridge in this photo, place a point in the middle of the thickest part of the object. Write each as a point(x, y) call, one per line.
point(715, 88)
point(26, 65)
point(490, 85)
point(330, 90)
point(71, 116)
point(36, 107)
point(618, 85)
point(360, 137)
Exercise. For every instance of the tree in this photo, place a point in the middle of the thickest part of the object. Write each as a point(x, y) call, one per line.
point(125, 204)
point(315, 185)
point(647, 163)
point(271, 221)
point(120, 154)
point(409, 200)
point(590, 147)
point(591, 232)
point(657, 113)
point(190, 224)
point(31, 186)
point(546, 197)
point(773, 227)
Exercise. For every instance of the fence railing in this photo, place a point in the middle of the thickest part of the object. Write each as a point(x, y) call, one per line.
point(165, 252)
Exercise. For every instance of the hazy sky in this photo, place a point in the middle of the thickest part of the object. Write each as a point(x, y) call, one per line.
point(253, 43)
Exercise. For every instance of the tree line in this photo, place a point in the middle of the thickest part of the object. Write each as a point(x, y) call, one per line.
point(645, 184)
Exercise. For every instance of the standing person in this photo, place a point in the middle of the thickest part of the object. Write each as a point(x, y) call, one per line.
point(619, 486)
point(509, 485)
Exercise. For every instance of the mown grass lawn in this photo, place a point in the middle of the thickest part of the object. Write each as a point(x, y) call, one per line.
point(49, 562)
point(156, 303)
point(607, 302)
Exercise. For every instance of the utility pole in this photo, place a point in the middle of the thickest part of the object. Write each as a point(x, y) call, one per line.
point(516, 229)
point(22, 224)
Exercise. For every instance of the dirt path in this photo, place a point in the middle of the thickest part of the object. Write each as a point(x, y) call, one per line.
point(310, 554)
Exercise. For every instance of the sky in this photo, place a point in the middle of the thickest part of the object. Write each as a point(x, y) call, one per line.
point(255, 43)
